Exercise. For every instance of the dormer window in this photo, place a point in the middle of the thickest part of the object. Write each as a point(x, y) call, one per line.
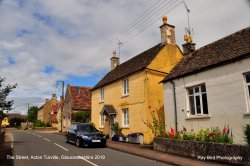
point(78, 90)
point(125, 87)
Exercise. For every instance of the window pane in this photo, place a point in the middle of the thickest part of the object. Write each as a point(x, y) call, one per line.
point(191, 102)
point(198, 104)
point(203, 88)
point(249, 91)
point(196, 89)
point(190, 91)
point(248, 78)
point(204, 101)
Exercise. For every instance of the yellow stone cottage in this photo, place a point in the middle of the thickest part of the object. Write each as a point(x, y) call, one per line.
point(131, 90)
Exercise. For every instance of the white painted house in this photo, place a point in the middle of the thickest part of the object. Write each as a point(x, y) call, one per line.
point(210, 87)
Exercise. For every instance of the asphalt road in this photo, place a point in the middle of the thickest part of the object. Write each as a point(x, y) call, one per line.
point(32, 148)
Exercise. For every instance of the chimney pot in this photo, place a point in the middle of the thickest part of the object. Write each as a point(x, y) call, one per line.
point(167, 32)
point(115, 61)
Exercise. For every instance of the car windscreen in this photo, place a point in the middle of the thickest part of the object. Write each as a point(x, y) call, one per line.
point(87, 128)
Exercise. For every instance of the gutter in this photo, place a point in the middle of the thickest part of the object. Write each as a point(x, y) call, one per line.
point(175, 107)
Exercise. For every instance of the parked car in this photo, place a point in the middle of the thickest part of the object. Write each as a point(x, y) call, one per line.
point(85, 134)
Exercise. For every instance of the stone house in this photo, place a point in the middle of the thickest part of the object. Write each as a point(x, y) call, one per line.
point(131, 90)
point(77, 99)
point(210, 87)
point(44, 112)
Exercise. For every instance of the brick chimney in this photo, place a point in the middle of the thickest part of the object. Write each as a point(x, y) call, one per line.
point(167, 32)
point(189, 46)
point(53, 95)
point(115, 61)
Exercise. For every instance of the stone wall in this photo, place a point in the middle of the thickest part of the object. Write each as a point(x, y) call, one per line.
point(233, 154)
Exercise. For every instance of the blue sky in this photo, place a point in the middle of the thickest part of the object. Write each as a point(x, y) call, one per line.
point(45, 41)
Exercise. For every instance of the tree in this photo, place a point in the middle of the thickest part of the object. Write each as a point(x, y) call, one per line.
point(15, 122)
point(82, 116)
point(32, 114)
point(5, 105)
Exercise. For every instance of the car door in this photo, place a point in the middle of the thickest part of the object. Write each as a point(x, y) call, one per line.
point(74, 132)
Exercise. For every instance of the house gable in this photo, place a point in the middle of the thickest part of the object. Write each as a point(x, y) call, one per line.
point(226, 50)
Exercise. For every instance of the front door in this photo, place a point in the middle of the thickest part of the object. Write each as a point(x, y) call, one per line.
point(111, 122)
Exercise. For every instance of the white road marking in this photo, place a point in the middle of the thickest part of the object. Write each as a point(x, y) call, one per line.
point(61, 147)
point(47, 139)
point(87, 161)
point(39, 136)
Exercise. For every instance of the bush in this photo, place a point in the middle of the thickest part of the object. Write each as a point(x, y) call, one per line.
point(157, 126)
point(247, 133)
point(48, 124)
point(38, 124)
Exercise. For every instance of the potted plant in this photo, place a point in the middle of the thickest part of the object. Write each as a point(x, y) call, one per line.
point(117, 130)
point(135, 138)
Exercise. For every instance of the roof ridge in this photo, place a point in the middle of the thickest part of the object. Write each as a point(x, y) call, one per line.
point(126, 68)
point(223, 38)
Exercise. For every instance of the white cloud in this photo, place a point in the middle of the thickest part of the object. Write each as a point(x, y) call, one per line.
point(65, 34)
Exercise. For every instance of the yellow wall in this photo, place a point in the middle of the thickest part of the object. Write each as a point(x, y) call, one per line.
point(145, 94)
point(5, 122)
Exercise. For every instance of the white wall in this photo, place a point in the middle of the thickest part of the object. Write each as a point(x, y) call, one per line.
point(226, 97)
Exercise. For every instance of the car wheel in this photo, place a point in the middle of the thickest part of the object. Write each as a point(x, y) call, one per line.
point(66, 139)
point(78, 142)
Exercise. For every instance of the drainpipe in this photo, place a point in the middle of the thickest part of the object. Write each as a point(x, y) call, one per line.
point(175, 108)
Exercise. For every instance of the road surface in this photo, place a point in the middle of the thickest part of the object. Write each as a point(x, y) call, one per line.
point(33, 148)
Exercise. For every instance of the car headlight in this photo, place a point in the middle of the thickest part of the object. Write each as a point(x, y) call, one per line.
point(85, 137)
point(104, 136)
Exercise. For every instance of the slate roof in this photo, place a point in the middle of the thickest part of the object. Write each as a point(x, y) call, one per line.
point(133, 65)
point(226, 50)
point(109, 109)
point(82, 100)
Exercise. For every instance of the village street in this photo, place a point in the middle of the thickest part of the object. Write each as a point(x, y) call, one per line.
point(40, 148)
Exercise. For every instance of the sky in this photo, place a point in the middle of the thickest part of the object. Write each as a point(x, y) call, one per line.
point(42, 42)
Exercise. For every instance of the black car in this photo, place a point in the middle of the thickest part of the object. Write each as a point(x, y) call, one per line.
point(85, 134)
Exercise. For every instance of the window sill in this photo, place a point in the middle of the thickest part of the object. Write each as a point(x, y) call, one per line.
point(198, 117)
point(101, 127)
point(100, 102)
point(246, 113)
point(123, 96)
point(125, 127)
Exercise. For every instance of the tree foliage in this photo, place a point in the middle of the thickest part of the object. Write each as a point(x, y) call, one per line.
point(5, 104)
point(15, 122)
point(82, 116)
point(32, 114)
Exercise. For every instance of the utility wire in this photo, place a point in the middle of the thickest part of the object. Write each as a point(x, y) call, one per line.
point(104, 51)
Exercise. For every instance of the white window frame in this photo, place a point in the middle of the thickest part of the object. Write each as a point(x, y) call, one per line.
point(125, 89)
point(194, 95)
point(125, 118)
point(247, 85)
point(101, 94)
point(101, 121)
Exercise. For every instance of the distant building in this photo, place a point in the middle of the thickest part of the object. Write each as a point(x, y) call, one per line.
point(77, 99)
point(211, 87)
point(44, 112)
point(5, 122)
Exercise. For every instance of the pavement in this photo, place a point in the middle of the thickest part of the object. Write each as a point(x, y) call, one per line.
point(147, 151)
point(6, 149)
